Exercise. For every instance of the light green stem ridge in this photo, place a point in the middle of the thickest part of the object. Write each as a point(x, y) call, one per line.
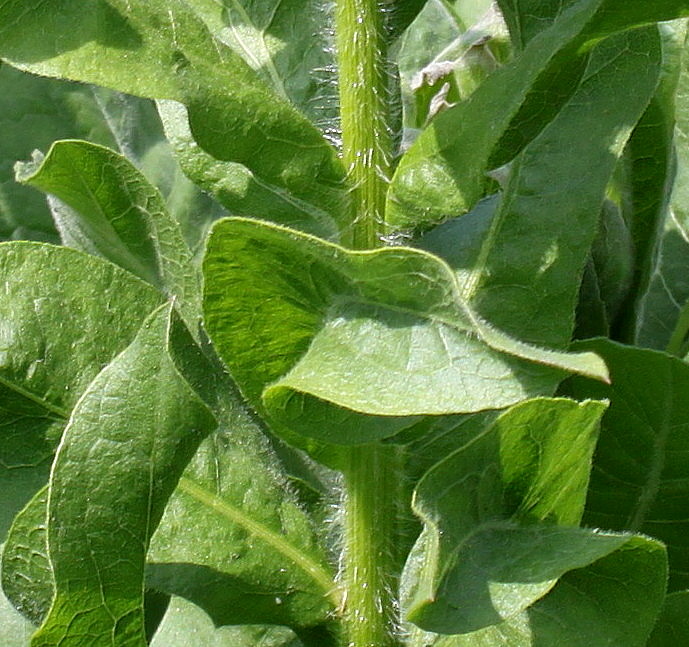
point(366, 138)
point(277, 541)
point(372, 482)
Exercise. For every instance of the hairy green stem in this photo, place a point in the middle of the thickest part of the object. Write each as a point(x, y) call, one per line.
point(364, 111)
point(371, 476)
point(370, 563)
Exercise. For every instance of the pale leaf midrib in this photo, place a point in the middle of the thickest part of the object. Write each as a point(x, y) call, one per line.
point(314, 570)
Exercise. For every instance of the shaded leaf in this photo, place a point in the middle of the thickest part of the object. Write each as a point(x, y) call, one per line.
point(489, 504)
point(381, 332)
point(639, 480)
point(673, 625)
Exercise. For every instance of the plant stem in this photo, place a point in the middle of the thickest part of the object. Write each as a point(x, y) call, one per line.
point(371, 476)
point(369, 569)
point(366, 138)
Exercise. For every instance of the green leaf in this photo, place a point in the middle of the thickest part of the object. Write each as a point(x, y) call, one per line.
point(234, 541)
point(58, 332)
point(639, 479)
point(141, 419)
point(33, 113)
point(115, 213)
point(443, 174)
point(164, 50)
point(185, 619)
point(660, 217)
point(27, 577)
point(304, 325)
point(487, 506)
point(614, 601)
point(527, 18)
point(239, 189)
point(526, 277)
point(673, 626)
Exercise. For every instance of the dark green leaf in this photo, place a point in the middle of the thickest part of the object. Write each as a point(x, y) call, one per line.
point(673, 626)
point(639, 479)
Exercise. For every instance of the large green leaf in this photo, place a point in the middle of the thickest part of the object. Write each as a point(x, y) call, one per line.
point(64, 316)
point(525, 279)
point(234, 540)
point(332, 335)
point(527, 18)
point(487, 506)
point(115, 213)
point(233, 537)
point(614, 601)
point(443, 174)
point(164, 50)
point(640, 480)
point(142, 420)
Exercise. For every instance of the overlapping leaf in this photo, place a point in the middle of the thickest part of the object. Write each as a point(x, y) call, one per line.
point(525, 276)
point(499, 519)
point(64, 316)
point(233, 114)
point(443, 174)
point(384, 332)
point(112, 211)
point(640, 481)
point(673, 625)
point(661, 164)
point(104, 516)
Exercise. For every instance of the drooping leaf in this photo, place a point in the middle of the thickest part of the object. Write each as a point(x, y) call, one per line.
point(313, 332)
point(164, 50)
point(526, 276)
point(238, 189)
point(640, 479)
point(103, 516)
point(485, 508)
point(614, 601)
point(115, 213)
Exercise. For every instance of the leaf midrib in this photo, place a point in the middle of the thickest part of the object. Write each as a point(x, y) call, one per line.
point(309, 566)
